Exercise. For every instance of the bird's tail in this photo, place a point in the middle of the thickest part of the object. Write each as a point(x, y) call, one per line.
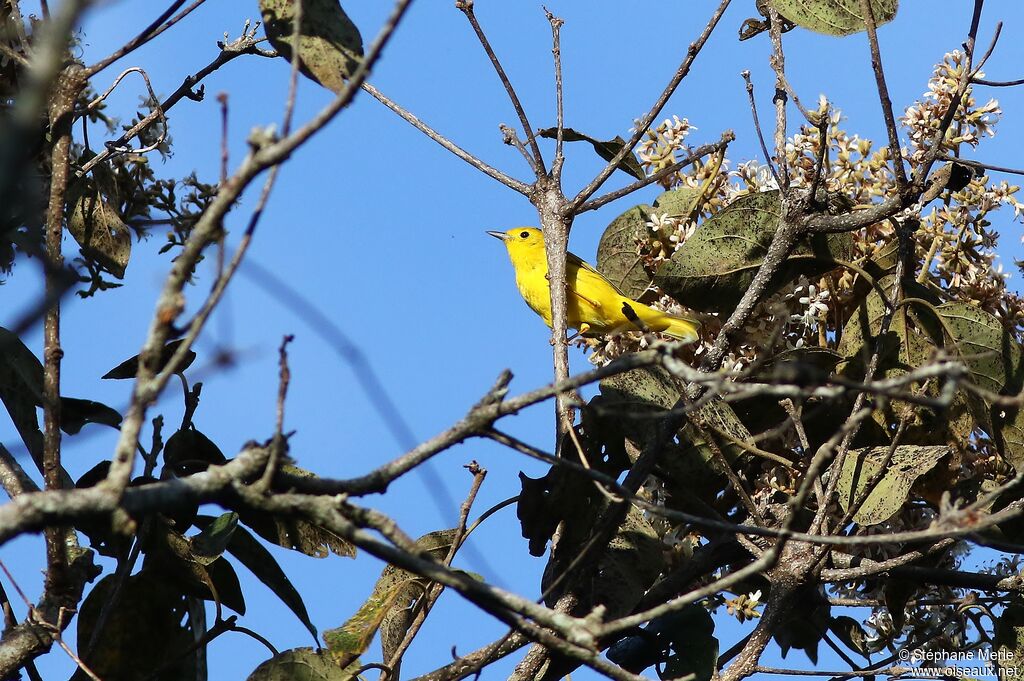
point(680, 327)
point(684, 329)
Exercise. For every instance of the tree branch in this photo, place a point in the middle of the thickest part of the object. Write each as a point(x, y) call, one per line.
point(536, 160)
point(509, 182)
point(645, 122)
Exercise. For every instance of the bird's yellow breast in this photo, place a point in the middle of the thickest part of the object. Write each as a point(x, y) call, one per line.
point(593, 304)
point(591, 298)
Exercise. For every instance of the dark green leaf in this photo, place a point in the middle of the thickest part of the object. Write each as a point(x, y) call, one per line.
point(229, 589)
point(21, 390)
point(636, 398)
point(144, 630)
point(834, 17)
point(395, 589)
point(617, 253)
point(75, 413)
point(188, 451)
point(605, 149)
point(897, 593)
point(303, 664)
point(130, 367)
point(908, 463)
point(538, 510)
point(851, 633)
point(1008, 646)
point(262, 564)
point(679, 203)
point(296, 533)
point(210, 544)
point(635, 557)
point(330, 47)
point(714, 267)
point(171, 554)
point(684, 640)
point(805, 625)
point(980, 341)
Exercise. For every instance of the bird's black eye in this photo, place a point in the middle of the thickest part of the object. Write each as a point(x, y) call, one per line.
point(524, 234)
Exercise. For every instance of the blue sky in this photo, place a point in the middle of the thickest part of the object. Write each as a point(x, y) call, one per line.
point(384, 232)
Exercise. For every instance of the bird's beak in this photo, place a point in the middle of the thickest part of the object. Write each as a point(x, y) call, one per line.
point(499, 235)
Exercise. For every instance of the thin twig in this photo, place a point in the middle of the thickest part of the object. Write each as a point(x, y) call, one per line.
point(279, 441)
point(433, 591)
point(556, 52)
point(488, 170)
point(645, 121)
point(246, 44)
point(269, 153)
point(536, 160)
point(147, 34)
point(883, 96)
point(778, 64)
point(695, 155)
point(998, 83)
point(757, 127)
point(983, 166)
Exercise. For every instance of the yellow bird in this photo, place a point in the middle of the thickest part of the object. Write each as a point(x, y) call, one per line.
point(594, 305)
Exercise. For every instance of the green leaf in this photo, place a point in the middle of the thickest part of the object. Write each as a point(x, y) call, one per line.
point(171, 554)
point(188, 451)
point(714, 267)
point(262, 564)
point(637, 398)
point(130, 367)
point(296, 533)
point(851, 633)
point(605, 149)
point(1009, 426)
point(806, 625)
point(635, 557)
point(679, 203)
point(21, 390)
point(100, 231)
point(617, 256)
point(683, 640)
point(395, 589)
point(210, 544)
point(303, 664)
point(75, 413)
point(144, 630)
point(908, 463)
point(834, 17)
point(229, 589)
point(330, 47)
point(980, 341)
point(897, 593)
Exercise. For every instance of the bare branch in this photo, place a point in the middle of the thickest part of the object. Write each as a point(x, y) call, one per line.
point(509, 182)
point(696, 154)
point(556, 51)
point(246, 44)
point(984, 166)
point(536, 160)
point(149, 33)
point(778, 64)
point(266, 153)
point(883, 96)
point(645, 122)
point(757, 127)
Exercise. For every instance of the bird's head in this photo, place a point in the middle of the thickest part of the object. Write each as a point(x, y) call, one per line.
point(522, 242)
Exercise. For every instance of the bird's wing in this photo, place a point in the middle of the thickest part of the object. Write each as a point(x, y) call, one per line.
point(589, 272)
